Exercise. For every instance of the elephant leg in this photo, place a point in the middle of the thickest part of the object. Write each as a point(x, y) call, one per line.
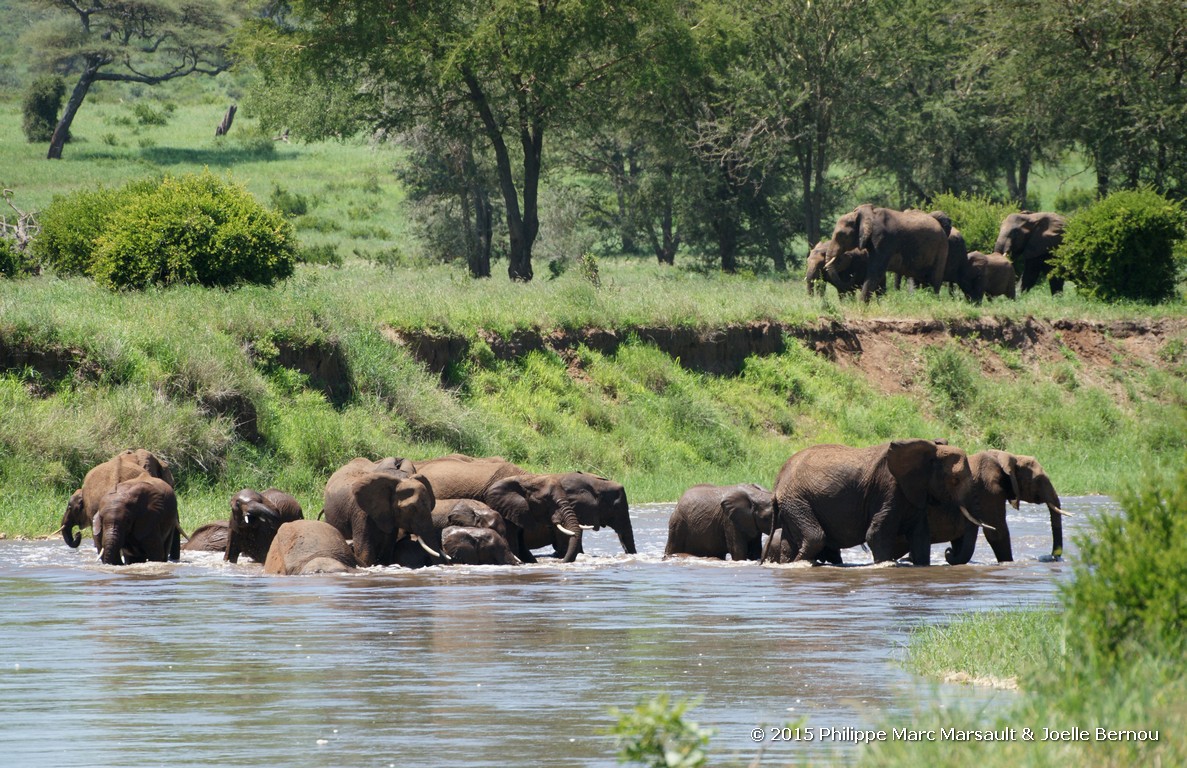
point(999, 540)
point(1030, 274)
point(811, 535)
point(960, 551)
point(1056, 284)
point(830, 555)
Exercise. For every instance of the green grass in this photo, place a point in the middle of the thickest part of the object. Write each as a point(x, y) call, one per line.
point(1003, 644)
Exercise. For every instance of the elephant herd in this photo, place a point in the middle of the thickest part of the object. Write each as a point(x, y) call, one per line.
point(897, 499)
point(869, 241)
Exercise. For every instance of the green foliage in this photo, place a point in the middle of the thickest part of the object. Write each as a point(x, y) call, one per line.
point(289, 203)
point(1073, 200)
point(146, 114)
point(978, 217)
point(999, 644)
point(656, 734)
point(951, 379)
point(1123, 247)
point(12, 261)
point(324, 254)
point(1127, 594)
point(190, 229)
point(42, 103)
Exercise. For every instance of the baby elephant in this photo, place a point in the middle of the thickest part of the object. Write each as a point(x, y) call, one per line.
point(137, 521)
point(476, 546)
point(716, 520)
point(255, 519)
point(986, 276)
point(309, 546)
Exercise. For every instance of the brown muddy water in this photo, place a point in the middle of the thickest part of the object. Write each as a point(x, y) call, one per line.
point(202, 663)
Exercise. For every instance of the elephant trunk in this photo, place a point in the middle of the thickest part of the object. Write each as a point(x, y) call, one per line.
point(113, 543)
point(626, 535)
point(571, 525)
point(72, 539)
point(962, 553)
point(1051, 499)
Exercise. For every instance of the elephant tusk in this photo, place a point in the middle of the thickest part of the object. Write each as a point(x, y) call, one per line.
point(1014, 503)
point(424, 546)
point(564, 530)
point(975, 521)
point(589, 527)
point(1060, 511)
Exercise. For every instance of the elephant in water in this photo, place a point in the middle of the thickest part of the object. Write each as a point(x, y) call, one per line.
point(100, 480)
point(376, 504)
point(476, 546)
point(255, 518)
point(716, 520)
point(308, 546)
point(829, 497)
point(458, 476)
point(464, 513)
point(137, 521)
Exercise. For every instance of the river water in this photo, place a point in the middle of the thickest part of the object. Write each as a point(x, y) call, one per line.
point(205, 663)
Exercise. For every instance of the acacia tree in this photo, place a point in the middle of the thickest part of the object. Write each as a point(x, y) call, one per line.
point(128, 41)
point(519, 69)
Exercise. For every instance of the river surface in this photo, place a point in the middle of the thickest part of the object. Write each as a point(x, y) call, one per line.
point(202, 663)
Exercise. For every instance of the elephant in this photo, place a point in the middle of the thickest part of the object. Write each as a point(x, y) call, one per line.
point(101, 479)
point(1000, 477)
point(137, 521)
point(468, 513)
point(467, 545)
point(716, 520)
point(255, 518)
point(375, 504)
point(533, 506)
point(211, 537)
point(958, 252)
point(911, 243)
point(1028, 240)
point(458, 476)
point(843, 273)
point(987, 275)
point(829, 497)
point(308, 546)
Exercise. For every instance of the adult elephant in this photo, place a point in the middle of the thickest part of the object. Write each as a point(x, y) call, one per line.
point(720, 520)
point(844, 272)
point(255, 519)
point(458, 476)
point(100, 480)
point(308, 546)
point(468, 545)
point(375, 504)
point(137, 521)
point(999, 478)
point(536, 506)
point(987, 275)
point(829, 497)
point(1028, 240)
point(910, 243)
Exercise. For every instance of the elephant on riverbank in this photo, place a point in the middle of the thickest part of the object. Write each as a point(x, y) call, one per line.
point(999, 478)
point(137, 522)
point(987, 276)
point(911, 243)
point(375, 504)
point(100, 480)
point(829, 497)
point(845, 272)
point(1028, 240)
point(308, 546)
point(720, 520)
point(535, 507)
point(255, 518)
point(467, 545)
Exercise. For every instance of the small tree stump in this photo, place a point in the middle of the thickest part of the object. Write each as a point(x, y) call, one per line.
point(225, 125)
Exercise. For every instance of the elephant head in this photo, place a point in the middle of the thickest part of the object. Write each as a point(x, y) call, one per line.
point(467, 513)
point(102, 478)
point(477, 546)
point(751, 509)
point(814, 267)
point(534, 501)
point(75, 517)
point(1023, 479)
point(255, 518)
point(851, 231)
point(375, 509)
point(927, 471)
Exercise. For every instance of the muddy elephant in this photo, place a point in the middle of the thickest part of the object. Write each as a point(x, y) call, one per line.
point(911, 243)
point(535, 507)
point(468, 513)
point(1028, 240)
point(720, 520)
point(1000, 478)
point(986, 276)
point(100, 480)
point(458, 476)
point(308, 546)
point(255, 518)
point(376, 504)
point(829, 497)
point(467, 545)
point(137, 522)
point(211, 537)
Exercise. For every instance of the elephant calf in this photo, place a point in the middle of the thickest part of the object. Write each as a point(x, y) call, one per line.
point(476, 546)
point(255, 518)
point(716, 520)
point(308, 546)
point(986, 276)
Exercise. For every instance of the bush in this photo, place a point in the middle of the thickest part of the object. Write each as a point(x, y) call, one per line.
point(12, 264)
point(42, 103)
point(193, 229)
point(1127, 594)
point(146, 115)
point(1123, 247)
point(976, 216)
point(324, 254)
point(289, 203)
point(655, 734)
point(71, 225)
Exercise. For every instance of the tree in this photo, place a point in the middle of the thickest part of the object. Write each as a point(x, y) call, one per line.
point(128, 41)
point(520, 69)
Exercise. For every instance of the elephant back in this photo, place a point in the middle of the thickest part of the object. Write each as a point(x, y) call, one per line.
point(465, 477)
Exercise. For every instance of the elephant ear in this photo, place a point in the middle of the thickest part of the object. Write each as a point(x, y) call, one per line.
point(910, 462)
point(509, 497)
point(415, 493)
point(375, 493)
point(736, 506)
point(865, 226)
point(1008, 464)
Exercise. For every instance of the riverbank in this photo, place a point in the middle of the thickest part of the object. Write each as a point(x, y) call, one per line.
point(660, 378)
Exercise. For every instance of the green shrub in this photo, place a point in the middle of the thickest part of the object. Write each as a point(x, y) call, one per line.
point(1130, 580)
point(71, 225)
point(655, 734)
point(289, 203)
point(12, 263)
point(42, 103)
point(147, 115)
point(1123, 247)
point(193, 229)
point(977, 217)
point(325, 254)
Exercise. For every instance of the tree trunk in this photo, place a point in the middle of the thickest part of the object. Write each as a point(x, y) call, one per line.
point(62, 131)
point(225, 125)
point(520, 267)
